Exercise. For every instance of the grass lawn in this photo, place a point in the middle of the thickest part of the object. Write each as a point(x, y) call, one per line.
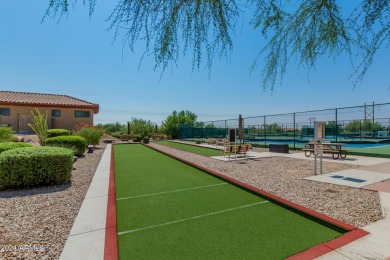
point(191, 148)
point(379, 151)
point(167, 209)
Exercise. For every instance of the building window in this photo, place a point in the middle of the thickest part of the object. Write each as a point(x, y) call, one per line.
point(56, 113)
point(79, 113)
point(4, 111)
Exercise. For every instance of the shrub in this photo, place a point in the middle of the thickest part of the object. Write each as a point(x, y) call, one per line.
point(76, 143)
point(145, 140)
point(31, 166)
point(5, 134)
point(39, 125)
point(57, 132)
point(91, 134)
point(12, 145)
point(116, 135)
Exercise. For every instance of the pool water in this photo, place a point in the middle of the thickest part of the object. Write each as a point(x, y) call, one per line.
point(346, 145)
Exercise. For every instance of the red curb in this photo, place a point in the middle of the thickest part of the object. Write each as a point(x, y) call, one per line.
point(346, 238)
point(311, 253)
point(316, 251)
point(111, 240)
point(329, 246)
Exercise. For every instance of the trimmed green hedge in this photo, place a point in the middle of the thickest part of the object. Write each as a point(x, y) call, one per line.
point(12, 145)
point(57, 132)
point(32, 166)
point(77, 144)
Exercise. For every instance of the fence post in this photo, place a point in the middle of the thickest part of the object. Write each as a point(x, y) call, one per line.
point(294, 128)
point(265, 132)
point(336, 126)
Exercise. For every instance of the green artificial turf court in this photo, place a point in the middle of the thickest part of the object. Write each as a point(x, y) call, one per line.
point(167, 209)
point(192, 148)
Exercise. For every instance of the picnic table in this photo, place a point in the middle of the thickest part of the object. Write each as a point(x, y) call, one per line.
point(327, 147)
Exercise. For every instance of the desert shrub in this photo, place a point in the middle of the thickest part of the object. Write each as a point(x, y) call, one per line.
point(32, 166)
point(91, 134)
point(39, 125)
point(76, 143)
point(116, 135)
point(12, 145)
point(57, 132)
point(145, 140)
point(158, 136)
point(5, 134)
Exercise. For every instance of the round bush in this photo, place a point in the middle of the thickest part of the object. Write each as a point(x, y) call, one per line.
point(91, 134)
point(57, 132)
point(76, 143)
point(12, 145)
point(32, 166)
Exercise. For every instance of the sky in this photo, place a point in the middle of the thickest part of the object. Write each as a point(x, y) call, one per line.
point(76, 56)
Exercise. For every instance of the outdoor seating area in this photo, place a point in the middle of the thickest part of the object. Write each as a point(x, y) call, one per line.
point(230, 149)
point(326, 147)
point(212, 141)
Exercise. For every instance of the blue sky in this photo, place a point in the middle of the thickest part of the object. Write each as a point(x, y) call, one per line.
point(76, 56)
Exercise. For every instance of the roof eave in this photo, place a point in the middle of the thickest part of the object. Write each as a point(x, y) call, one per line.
point(94, 107)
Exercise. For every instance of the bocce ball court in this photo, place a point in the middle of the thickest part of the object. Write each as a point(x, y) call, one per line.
point(168, 208)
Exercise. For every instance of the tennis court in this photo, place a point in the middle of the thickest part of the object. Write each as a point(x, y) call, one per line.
point(166, 209)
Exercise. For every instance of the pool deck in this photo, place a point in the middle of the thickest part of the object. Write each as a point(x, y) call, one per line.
point(87, 237)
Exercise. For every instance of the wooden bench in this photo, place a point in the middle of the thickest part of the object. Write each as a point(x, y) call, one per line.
point(244, 148)
point(222, 142)
point(212, 141)
point(240, 149)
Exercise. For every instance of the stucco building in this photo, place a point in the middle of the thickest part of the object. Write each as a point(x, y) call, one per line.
point(63, 111)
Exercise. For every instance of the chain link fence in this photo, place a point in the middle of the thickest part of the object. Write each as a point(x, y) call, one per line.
point(359, 124)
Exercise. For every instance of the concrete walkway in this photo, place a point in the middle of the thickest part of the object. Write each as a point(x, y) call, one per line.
point(87, 237)
point(375, 245)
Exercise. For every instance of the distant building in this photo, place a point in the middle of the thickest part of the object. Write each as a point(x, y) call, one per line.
point(63, 111)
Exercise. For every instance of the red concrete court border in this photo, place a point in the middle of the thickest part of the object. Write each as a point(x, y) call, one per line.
point(111, 240)
point(311, 253)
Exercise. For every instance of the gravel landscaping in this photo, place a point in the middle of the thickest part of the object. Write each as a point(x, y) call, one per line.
point(283, 177)
point(35, 223)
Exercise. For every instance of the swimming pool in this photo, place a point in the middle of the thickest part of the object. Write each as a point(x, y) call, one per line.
point(300, 143)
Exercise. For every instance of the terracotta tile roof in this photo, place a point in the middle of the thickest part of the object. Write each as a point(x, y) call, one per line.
point(26, 98)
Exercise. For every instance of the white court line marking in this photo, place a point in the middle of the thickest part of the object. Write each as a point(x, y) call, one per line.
point(192, 218)
point(171, 191)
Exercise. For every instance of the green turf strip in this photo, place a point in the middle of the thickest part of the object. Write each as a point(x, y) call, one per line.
point(179, 212)
point(265, 231)
point(174, 206)
point(143, 171)
point(192, 148)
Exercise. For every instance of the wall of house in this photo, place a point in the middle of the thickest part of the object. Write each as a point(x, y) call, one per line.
point(20, 116)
